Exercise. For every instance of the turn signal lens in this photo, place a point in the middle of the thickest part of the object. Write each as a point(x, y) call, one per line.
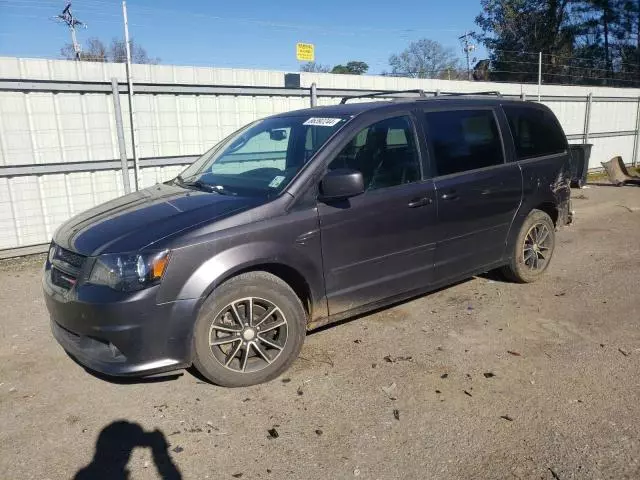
point(158, 266)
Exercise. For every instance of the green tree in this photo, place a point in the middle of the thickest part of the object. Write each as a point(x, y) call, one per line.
point(351, 68)
point(513, 31)
point(582, 41)
point(423, 59)
point(608, 40)
point(627, 45)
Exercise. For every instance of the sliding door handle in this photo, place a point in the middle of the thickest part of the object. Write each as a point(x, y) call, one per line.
point(420, 202)
point(449, 196)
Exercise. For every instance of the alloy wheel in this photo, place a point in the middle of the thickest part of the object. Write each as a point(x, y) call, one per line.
point(537, 247)
point(248, 334)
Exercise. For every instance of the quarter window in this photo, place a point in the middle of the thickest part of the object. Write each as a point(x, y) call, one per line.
point(385, 153)
point(535, 131)
point(463, 140)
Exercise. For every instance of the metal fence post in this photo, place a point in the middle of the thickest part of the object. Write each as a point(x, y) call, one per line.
point(314, 95)
point(539, 74)
point(636, 139)
point(587, 118)
point(132, 111)
point(523, 97)
point(122, 146)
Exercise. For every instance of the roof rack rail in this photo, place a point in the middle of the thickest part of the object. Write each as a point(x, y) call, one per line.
point(420, 92)
point(489, 92)
point(379, 93)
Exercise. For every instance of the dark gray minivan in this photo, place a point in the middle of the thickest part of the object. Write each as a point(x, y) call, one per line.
point(302, 219)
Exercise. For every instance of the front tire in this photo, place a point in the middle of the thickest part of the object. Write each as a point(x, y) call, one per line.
point(249, 330)
point(533, 249)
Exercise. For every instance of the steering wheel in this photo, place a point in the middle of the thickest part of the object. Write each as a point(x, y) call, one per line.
point(264, 172)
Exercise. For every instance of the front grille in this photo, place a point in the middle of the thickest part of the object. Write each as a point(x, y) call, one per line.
point(66, 267)
point(73, 259)
point(62, 279)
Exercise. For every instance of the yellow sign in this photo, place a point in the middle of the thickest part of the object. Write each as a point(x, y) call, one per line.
point(305, 52)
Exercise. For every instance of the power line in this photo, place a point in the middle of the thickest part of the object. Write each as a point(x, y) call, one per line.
point(24, 4)
point(347, 30)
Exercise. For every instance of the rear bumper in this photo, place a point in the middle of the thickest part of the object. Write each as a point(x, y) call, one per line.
point(120, 334)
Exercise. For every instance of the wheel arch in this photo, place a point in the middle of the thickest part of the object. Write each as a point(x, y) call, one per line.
point(550, 208)
point(545, 204)
point(301, 273)
point(284, 272)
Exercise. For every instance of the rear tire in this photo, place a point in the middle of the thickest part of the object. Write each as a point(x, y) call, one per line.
point(533, 249)
point(249, 330)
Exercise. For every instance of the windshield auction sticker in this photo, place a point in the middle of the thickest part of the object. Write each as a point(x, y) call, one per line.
point(322, 122)
point(275, 183)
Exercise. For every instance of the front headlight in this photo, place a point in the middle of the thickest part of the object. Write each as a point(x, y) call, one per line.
point(129, 272)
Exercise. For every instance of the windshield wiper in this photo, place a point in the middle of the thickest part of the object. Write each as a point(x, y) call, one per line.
point(179, 180)
point(200, 185)
point(205, 187)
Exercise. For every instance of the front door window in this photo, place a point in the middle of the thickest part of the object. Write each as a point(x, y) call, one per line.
point(385, 153)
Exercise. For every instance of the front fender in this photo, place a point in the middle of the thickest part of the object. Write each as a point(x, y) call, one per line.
point(227, 263)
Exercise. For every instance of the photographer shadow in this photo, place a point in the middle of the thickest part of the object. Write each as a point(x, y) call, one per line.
point(113, 450)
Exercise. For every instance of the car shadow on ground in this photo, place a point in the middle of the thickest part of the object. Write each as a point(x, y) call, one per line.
point(389, 306)
point(113, 450)
point(609, 184)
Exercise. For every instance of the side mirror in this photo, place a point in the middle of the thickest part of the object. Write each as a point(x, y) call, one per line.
point(340, 184)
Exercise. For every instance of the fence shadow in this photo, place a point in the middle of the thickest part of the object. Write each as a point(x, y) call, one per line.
point(113, 450)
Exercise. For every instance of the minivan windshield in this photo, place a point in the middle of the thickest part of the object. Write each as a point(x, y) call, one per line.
point(261, 158)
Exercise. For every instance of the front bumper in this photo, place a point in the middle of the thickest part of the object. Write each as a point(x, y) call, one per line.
point(120, 334)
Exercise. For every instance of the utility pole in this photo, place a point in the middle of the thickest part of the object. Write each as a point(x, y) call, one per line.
point(72, 22)
point(467, 48)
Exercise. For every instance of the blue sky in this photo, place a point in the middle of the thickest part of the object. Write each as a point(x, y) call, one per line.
point(244, 33)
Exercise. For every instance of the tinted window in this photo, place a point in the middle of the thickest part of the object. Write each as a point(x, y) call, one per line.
point(384, 152)
point(535, 132)
point(463, 140)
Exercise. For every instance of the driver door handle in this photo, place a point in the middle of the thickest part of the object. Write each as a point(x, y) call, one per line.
point(420, 202)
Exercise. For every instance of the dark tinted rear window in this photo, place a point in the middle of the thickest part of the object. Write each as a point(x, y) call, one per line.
point(535, 132)
point(463, 140)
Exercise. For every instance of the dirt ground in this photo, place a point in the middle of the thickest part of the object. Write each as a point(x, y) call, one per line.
point(484, 379)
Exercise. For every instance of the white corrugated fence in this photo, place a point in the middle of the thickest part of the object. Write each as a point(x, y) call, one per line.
point(58, 141)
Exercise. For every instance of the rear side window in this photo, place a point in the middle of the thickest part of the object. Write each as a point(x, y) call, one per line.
point(535, 132)
point(463, 140)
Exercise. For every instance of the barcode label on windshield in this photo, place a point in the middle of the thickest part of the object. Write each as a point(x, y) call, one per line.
point(322, 122)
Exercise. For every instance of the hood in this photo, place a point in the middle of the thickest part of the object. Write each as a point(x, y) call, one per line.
point(140, 219)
